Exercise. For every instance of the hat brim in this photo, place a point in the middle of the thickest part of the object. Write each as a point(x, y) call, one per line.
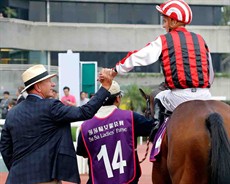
point(159, 9)
point(44, 78)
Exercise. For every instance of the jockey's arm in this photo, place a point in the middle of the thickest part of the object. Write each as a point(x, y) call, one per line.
point(143, 57)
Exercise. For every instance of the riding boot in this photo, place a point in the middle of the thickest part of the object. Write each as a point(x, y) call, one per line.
point(158, 117)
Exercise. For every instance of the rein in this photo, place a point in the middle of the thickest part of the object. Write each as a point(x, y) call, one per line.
point(148, 115)
point(146, 151)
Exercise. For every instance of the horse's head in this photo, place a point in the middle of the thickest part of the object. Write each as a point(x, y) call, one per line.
point(147, 99)
point(149, 112)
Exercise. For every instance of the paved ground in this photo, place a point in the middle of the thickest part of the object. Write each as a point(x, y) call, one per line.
point(146, 167)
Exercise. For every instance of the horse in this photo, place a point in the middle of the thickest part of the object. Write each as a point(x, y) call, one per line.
point(195, 148)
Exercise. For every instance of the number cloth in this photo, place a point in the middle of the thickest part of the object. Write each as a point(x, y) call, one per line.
point(112, 139)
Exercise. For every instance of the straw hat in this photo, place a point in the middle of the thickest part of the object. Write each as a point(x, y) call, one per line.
point(114, 88)
point(34, 75)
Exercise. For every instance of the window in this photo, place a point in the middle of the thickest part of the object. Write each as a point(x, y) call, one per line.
point(131, 14)
point(114, 13)
point(206, 15)
point(76, 12)
point(37, 11)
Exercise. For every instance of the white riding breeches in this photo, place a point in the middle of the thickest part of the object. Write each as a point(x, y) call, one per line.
point(170, 99)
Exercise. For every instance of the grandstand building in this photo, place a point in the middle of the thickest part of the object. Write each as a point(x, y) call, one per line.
point(35, 31)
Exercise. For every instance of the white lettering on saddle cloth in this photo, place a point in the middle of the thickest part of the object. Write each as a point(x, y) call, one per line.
point(157, 141)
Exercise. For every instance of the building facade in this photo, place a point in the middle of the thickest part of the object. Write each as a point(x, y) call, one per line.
point(100, 30)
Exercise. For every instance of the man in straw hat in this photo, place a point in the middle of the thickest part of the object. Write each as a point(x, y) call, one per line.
point(36, 142)
point(109, 140)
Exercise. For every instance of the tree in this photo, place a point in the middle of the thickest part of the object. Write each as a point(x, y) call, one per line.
point(133, 100)
point(10, 12)
point(226, 15)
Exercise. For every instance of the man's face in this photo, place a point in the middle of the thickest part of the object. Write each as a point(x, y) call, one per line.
point(83, 95)
point(5, 96)
point(46, 88)
point(17, 93)
point(66, 92)
point(55, 94)
point(165, 23)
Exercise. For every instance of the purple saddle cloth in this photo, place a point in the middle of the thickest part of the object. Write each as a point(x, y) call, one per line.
point(157, 141)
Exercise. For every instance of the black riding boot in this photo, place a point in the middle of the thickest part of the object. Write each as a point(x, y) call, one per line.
point(158, 117)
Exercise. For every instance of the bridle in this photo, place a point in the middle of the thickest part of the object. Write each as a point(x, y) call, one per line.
point(148, 109)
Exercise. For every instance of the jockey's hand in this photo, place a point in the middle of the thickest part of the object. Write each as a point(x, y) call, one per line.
point(105, 77)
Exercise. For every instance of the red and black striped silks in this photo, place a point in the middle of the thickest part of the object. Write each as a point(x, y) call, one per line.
point(185, 59)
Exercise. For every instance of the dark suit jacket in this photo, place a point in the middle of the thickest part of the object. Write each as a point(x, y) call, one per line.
point(36, 142)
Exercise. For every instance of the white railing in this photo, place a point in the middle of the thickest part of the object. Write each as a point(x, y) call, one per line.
point(2, 121)
point(82, 162)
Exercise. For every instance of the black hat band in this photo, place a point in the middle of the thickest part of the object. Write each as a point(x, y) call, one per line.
point(27, 83)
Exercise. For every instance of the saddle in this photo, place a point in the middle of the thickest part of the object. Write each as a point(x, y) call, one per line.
point(155, 130)
point(156, 138)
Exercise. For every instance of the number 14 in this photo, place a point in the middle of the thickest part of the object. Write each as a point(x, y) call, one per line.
point(115, 163)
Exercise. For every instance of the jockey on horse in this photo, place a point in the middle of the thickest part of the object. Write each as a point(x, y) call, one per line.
point(184, 56)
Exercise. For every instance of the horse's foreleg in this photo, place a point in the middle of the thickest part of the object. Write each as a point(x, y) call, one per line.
point(160, 174)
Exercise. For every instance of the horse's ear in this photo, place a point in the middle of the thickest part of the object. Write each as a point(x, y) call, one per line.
point(143, 94)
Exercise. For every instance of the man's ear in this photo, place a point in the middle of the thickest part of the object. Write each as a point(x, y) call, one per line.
point(37, 87)
point(117, 98)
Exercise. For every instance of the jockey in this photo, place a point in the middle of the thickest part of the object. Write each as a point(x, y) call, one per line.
point(184, 56)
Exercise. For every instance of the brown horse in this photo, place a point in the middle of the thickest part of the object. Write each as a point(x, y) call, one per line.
point(195, 148)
